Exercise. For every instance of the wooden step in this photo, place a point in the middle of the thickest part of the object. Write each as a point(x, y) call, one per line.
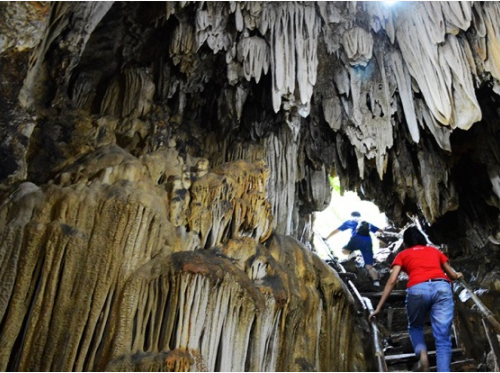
point(394, 350)
point(398, 337)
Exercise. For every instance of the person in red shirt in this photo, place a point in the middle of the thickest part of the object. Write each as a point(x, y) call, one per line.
point(428, 289)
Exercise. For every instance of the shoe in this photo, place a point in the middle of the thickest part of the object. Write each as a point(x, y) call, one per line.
point(376, 283)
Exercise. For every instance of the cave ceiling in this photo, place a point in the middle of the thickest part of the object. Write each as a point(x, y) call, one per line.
point(161, 163)
point(401, 101)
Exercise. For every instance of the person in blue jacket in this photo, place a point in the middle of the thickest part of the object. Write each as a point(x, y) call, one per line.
point(360, 240)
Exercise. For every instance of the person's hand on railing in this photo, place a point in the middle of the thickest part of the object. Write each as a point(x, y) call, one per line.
point(459, 276)
point(373, 314)
point(451, 273)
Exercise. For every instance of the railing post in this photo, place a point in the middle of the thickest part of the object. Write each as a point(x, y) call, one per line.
point(483, 310)
point(495, 347)
point(490, 324)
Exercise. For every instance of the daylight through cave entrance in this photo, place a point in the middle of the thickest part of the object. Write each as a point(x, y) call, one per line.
point(339, 210)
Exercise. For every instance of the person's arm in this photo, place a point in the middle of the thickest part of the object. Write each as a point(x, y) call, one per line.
point(335, 231)
point(374, 229)
point(391, 283)
point(450, 272)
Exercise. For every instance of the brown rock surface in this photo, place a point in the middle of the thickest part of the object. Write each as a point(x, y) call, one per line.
point(96, 274)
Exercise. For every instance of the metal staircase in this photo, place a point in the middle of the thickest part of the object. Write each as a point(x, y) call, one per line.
point(392, 345)
point(398, 350)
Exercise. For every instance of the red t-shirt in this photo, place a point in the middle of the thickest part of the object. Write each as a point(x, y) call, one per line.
point(421, 263)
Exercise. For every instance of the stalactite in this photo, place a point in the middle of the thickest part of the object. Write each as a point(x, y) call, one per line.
point(457, 16)
point(136, 96)
point(492, 63)
point(405, 93)
point(451, 100)
point(182, 43)
point(225, 320)
point(441, 134)
point(332, 110)
point(111, 204)
point(293, 53)
point(253, 53)
point(216, 204)
point(281, 193)
point(466, 110)
point(421, 59)
point(358, 45)
point(371, 132)
point(65, 239)
point(211, 21)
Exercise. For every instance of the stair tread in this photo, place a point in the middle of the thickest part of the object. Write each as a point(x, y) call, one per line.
point(409, 355)
point(406, 334)
point(395, 295)
point(458, 366)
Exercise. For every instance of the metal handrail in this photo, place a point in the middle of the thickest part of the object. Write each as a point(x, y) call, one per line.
point(488, 317)
point(342, 270)
point(490, 324)
point(367, 306)
point(495, 346)
point(353, 287)
point(483, 310)
point(379, 351)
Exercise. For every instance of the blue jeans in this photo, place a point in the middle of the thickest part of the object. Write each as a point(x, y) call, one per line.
point(436, 297)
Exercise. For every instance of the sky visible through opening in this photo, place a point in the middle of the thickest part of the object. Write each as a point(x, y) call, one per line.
point(334, 215)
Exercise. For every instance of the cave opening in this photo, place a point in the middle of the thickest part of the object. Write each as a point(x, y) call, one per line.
point(339, 210)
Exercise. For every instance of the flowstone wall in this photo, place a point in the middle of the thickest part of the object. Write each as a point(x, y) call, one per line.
point(150, 263)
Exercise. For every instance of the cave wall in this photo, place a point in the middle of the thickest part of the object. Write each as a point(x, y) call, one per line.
point(152, 154)
point(124, 263)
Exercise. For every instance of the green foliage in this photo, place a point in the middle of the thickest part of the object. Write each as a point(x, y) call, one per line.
point(335, 183)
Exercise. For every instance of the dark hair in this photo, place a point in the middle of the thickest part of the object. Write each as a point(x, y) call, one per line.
point(355, 214)
point(413, 237)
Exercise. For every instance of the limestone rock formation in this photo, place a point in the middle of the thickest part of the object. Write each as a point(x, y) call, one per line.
point(160, 164)
point(155, 263)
